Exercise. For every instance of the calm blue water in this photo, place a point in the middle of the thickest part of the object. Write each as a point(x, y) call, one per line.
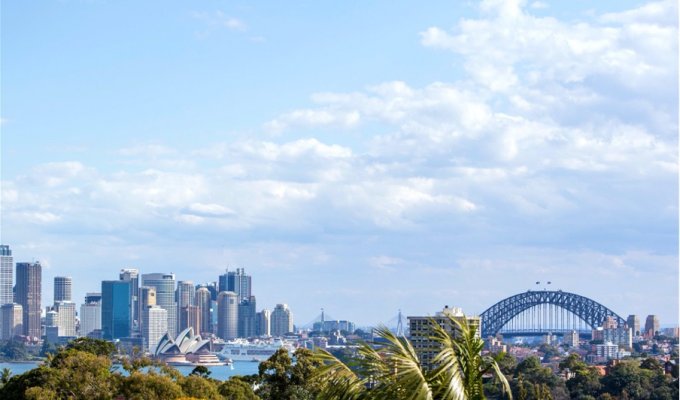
point(220, 373)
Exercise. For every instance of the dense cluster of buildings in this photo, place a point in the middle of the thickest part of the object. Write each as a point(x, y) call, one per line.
point(138, 309)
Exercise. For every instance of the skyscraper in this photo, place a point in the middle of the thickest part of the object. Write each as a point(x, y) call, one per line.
point(6, 267)
point(28, 289)
point(62, 288)
point(237, 282)
point(154, 325)
point(165, 296)
point(633, 322)
point(227, 315)
point(116, 310)
point(189, 317)
point(202, 301)
point(281, 320)
point(185, 298)
point(91, 314)
point(264, 323)
point(247, 318)
point(131, 275)
point(66, 318)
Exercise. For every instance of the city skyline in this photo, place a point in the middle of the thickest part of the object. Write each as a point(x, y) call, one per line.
point(360, 158)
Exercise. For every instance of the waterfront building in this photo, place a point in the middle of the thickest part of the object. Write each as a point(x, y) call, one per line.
point(165, 296)
point(90, 316)
point(154, 326)
point(227, 318)
point(263, 327)
point(131, 275)
point(62, 288)
point(116, 310)
point(237, 282)
point(651, 326)
point(633, 322)
point(6, 268)
point(203, 302)
point(247, 314)
point(281, 320)
point(28, 290)
point(12, 320)
point(421, 331)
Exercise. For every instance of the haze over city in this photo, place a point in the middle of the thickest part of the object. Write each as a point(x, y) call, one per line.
point(363, 158)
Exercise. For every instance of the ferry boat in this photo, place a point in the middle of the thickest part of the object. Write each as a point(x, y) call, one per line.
point(256, 351)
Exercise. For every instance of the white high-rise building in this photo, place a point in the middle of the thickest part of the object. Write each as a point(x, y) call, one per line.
point(66, 317)
point(281, 320)
point(6, 268)
point(154, 326)
point(90, 317)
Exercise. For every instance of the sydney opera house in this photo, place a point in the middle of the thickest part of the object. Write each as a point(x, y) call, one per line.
point(186, 349)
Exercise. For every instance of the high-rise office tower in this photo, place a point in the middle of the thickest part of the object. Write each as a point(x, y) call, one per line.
point(165, 296)
point(154, 326)
point(652, 325)
point(66, 321)
point(116, 310)
point(131, 275)
point(185, 298)
point(12, 321)
point(264, 323)
point(91, 314)
point(62, 288)
point(633, 323)
point(147, 298)
point(189, 317)
point(28, 289)
point(202, 301)
point(247, 313)
point(237, 282)
point(6, 267)
point(227, 315)
point(281, 320)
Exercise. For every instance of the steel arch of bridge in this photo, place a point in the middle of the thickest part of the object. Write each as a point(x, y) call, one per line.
point(590, 311)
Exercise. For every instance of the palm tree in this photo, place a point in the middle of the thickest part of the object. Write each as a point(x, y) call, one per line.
point(393, 370)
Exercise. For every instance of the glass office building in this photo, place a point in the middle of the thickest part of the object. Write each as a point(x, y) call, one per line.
point(116, 309)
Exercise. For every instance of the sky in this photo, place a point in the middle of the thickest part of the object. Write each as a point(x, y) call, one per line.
point(361, 157)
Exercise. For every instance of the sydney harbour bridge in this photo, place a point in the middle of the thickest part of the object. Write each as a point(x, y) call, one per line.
point(539, 312)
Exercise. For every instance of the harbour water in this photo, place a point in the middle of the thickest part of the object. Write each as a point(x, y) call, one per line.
point(219, 372)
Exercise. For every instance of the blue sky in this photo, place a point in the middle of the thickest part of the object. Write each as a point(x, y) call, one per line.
point(359, 157)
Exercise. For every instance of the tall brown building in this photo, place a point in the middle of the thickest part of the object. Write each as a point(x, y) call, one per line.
point(29, 281)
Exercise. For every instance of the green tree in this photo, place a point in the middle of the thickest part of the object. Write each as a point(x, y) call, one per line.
point(237, 389)
point(281, 380)
point(93, 346)
point(201, 371)
point(14, 350)
point(200, 387)
point(149, 386)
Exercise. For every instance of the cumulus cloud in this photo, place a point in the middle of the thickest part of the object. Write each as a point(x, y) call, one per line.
point(556, 152)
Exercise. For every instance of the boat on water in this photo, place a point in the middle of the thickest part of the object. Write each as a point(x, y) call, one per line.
point(256, 350)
